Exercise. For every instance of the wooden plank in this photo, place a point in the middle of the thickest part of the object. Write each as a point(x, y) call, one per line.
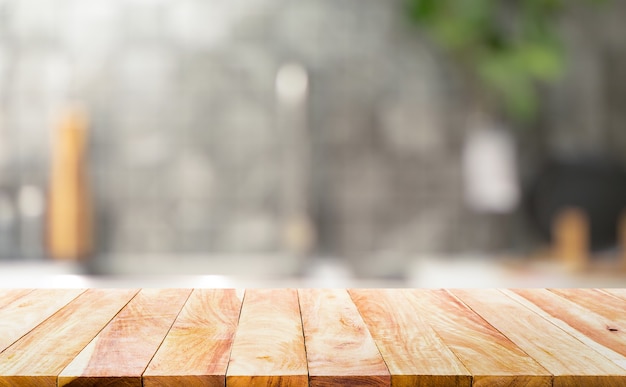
point(621, 293)
point(414, 353)
point(196, 350)
point(25, 313)
point(7, 296)
point(339, 347)
point(607, 305)
point(38, 357)
point(268, 349)
point(491, 358)
point(569, 360)
point(122, 350)
point(589, 327)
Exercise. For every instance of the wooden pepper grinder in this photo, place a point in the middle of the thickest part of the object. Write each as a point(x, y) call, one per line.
point(69, 232)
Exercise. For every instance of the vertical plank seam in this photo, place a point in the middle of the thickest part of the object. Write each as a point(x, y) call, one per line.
point(456, 355)
point(615, 296)
point(97, 333)
point(607, 292)
point(164, 336)
point(370, 334)
point(441, 339)
point(436, 331)
point(513, 295)
point(230, 352)
point(306, 355)
point(598, 290)
point(42, 321)
point(502, 333)
point(576, 338)
point(589, 310)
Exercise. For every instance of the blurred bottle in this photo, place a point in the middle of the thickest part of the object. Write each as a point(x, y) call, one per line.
point(571, 238)
point(69, 232)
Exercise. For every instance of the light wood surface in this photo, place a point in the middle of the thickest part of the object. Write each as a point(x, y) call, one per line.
point(196, 350)
point(314, 337)
point(39, 356)
point(588, 327)
point(339, 347)
point(491, 357)
point(268, 349)
point(621, 293)
point(122, 350)
point(7, 296)
point(25, 313)
point(569, 360)
point(613, 308)
point(414, 353)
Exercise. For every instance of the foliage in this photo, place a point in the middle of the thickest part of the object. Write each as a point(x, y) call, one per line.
point(509, 47)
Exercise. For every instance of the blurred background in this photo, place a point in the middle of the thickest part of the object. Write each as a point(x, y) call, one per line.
point(313, 142)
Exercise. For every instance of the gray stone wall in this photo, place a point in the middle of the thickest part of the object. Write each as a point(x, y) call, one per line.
point(187, 150)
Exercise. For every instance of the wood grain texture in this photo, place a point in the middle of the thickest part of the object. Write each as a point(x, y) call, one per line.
point(317, 337)
point(611, 307)
point(38, 357)
point(569, 360)
point(413, 352)
point(196, 350)
point(602, 333)
point(7, 296)
point(340, 349)
point(28, 311)
point(621, 293)
point(492, 358)
point(120, 353)
point(268, 349)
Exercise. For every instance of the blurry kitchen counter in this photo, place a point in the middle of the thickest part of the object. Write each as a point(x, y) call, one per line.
point(279, 271)
point(148, 271)
point(480, 271)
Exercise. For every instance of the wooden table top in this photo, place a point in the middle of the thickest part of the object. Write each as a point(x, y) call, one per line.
point(316, 337)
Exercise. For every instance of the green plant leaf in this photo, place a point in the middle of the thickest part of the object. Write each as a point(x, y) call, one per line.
point(541, 61)
point(506, 78)
point(424, 9)
point(509, 46)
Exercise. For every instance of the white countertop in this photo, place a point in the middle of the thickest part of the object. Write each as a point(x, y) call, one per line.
point(428, 272)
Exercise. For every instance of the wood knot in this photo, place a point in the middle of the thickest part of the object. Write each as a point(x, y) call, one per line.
point(611, 329)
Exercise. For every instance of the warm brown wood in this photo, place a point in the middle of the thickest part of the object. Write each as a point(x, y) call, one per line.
point(413, 352)
point(122, 350)
point(28, 311)
point(492, 358)
point(340, 349)
point(569, 360)
point(317, 337)
point(621, 293)
point(610, 323)
point(38, 357)
point(590, 328)
point(268, 349)
point(7, 296)
point(597, 301)
point(196, 350)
